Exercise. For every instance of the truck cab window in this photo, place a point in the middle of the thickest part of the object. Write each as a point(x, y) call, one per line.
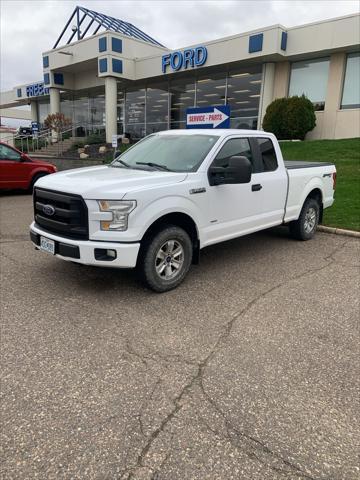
point(234, 146)
point(268, 154)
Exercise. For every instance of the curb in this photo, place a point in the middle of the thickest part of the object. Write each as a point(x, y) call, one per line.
point(339, 231)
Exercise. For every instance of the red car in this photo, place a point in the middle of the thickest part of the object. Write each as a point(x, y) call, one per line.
point(18, 170)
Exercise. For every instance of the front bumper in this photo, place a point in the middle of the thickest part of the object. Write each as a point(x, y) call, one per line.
point(87, 251)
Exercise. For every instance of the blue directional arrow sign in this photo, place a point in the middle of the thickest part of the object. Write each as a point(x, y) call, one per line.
point(208, 117)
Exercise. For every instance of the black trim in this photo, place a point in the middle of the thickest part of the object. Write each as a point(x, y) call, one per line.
point(61, 248)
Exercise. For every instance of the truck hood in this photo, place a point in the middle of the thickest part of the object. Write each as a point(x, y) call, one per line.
point(104, 182)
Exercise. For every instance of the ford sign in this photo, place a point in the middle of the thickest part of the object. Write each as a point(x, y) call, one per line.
point(191, 57)
point(48, 210)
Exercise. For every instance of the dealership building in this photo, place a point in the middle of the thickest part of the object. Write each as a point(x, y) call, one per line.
point(107, 74)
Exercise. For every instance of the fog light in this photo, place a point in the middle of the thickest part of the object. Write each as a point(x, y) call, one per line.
point(104, 254)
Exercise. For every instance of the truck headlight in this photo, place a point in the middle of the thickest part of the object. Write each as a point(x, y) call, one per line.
point(120, 210)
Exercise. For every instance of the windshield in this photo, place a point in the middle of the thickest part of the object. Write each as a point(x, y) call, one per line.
point(176, 153)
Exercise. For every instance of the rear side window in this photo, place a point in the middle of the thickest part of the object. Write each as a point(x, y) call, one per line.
point(234, 146)
point(267, 154)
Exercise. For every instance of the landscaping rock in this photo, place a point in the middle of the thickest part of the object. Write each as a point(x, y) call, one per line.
point(81, 150)
point(84, 155)
point(102, 149)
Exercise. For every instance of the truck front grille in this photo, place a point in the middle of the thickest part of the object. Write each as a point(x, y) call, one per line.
point(63, 214)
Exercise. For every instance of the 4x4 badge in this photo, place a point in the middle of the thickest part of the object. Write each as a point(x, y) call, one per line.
point(197, 190)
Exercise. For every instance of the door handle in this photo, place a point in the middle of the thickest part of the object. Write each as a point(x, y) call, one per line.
point(256, 187)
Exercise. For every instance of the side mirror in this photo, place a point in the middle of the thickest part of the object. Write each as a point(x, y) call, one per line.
point(238, 171)
point(23, 158)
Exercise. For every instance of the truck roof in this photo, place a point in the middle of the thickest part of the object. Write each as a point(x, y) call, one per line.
point(217, 132)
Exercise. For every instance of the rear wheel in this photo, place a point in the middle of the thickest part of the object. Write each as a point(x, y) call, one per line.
point(34, 180)
point(305, 226)
point(165, 259)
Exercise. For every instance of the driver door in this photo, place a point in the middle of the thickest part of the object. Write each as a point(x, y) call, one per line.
point(13, 173)
point(235, 209)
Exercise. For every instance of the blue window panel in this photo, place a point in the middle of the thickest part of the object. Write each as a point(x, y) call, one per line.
point(18, 92)
point(256, 43)
point(45, 61)
point(116, 45)
point(59, 78)
point(102, 44)
point(103, 65)
point(283, 40)
point(46, 78)
point(117, 66)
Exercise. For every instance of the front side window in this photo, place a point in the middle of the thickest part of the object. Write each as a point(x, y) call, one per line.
point(233, 147)
point(267, 154)
point(351, 91)
point(177, 153)
point(7, 153)
point(309, 78)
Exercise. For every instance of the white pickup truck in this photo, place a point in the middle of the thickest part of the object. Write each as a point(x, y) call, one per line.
point(172, 194)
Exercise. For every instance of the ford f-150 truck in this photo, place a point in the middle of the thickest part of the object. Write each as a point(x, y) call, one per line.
point(172, 194)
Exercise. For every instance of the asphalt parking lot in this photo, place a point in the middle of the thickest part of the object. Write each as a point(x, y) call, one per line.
point(249, 370)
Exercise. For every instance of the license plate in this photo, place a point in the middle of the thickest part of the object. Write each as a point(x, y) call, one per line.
point(47, 245)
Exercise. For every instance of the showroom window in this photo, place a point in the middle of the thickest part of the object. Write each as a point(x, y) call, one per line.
point(210, 90)
point(243, 96)
point(135, 112)
point(310, 78)
point(351, 90)
point(157, 108)
point(182, 96)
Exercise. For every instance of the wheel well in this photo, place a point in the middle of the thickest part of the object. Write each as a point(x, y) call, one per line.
point(180, 220)
point(38, 174)
point(316, 194)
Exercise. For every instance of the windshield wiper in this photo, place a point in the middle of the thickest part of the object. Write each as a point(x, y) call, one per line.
point(123, 163)
point(155, 165)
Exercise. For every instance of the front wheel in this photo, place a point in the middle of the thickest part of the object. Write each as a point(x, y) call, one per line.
point(165, 259)
point(305, 226)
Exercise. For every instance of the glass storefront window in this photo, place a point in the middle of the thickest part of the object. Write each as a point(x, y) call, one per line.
point(243, 96)
point(157, 108)
point(309, 78)
point(67, 105)
point(182, 96)
point(135, 112)
point(120, 111)
point(211, 90)
point(43, 110)
point(351, 90)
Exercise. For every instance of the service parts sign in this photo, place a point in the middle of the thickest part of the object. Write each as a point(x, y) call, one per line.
point(208, 117)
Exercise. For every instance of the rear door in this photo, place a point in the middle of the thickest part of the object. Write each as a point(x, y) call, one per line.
point(13, 172)
point(271, 181)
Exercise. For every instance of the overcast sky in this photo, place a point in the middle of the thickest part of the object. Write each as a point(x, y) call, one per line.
point(30, 27)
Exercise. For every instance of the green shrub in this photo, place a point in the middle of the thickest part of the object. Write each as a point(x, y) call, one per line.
point(290, 118)
point(95, 138)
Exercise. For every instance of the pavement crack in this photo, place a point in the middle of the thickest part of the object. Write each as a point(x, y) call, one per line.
point(197, 378)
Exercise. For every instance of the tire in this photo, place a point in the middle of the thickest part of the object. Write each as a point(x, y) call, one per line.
point(304, 228)
point(165, 259)
point(34, 180)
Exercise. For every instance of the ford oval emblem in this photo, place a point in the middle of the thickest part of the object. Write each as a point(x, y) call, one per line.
point(48, 210)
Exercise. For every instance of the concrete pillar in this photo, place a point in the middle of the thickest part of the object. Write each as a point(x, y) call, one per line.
point(282, 79)
point(54, 100)
point(333, 94)
point(54, 107)
point(34, 111)
point(110, 108)
point(267, 90)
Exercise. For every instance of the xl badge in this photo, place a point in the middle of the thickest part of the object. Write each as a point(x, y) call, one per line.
point(49, 210)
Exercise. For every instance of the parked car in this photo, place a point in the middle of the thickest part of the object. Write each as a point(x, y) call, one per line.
point(18, 170)
point(172, 194)
point(24, 131)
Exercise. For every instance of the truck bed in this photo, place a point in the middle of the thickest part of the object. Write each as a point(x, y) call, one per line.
point(292, 164)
